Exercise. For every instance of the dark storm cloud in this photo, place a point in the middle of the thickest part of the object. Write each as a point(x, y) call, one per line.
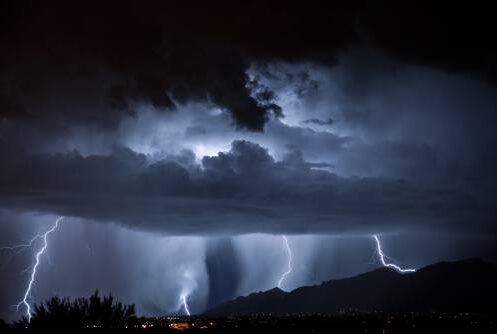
point(71, 66)
point(66, 63)
point(160, 53)
point(453, 37)
point(243, 190)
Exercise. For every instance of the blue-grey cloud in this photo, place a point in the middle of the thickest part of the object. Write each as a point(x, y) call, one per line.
point(239, 191)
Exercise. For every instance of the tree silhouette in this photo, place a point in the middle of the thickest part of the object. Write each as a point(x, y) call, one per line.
point(91, 312)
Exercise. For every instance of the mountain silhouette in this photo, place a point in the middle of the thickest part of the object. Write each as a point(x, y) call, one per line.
point(462, 286)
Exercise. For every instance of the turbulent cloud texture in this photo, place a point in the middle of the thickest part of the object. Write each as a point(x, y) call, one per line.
point(89, 63)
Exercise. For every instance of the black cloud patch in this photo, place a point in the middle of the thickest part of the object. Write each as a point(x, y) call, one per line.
point(240, 191)
point(455, 37)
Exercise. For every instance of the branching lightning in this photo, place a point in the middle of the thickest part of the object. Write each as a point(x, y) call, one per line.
point(289, 269)
point(22, 247)
point(39, 253)
point(383, 256)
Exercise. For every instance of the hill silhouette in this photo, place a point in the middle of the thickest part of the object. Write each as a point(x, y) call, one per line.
point(92, 312)
point(462, 286)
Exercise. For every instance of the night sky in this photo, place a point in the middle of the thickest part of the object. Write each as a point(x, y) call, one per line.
point(182, 139)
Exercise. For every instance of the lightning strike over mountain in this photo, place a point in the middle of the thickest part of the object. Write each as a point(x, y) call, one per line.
point(383, 256)
point(289, 270)
point(32, 278)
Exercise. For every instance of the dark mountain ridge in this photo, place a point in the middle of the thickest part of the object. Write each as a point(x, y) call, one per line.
point(463, 286)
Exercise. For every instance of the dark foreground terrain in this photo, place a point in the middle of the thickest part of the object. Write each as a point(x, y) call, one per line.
point(444, 287)
point(447, 297)
point(338, 323)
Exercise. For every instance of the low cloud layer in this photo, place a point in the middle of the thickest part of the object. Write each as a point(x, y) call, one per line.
point(240, 191)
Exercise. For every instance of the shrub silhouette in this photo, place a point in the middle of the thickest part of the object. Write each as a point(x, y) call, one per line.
point(94, 311)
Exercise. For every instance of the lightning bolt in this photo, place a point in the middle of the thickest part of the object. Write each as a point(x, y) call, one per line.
point(184, 300)
point(27, 293)
point(189, 284)
point(383, 256)
point(289, 269)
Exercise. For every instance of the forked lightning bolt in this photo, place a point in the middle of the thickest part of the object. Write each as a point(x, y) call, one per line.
point(32, 277)
point(386, 264)
point(289, 269)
